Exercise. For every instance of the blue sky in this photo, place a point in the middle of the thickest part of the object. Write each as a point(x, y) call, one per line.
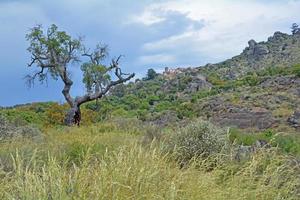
point(151, 34)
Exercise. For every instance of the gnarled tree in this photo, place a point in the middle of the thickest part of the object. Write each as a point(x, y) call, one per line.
point(53, 52)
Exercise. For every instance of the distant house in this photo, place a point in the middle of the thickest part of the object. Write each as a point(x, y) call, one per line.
point(171, 73)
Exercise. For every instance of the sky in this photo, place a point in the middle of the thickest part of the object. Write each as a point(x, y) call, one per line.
point(150, 33)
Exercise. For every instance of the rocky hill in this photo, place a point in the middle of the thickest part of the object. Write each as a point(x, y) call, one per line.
point(254, 91)
point(280, 50)
point(258, 89)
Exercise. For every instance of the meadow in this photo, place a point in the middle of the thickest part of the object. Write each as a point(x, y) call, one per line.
point(113, 160)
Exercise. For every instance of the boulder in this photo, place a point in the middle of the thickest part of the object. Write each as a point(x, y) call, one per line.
point(198, 82)
point(252, 44)
point(256, 50)
point(294, 120)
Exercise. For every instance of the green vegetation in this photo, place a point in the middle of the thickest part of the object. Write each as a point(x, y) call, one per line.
point(116, 154)
point(149, 140)
point(198, 139)
point(289, 144)
point(164, 136)
point(106, 161)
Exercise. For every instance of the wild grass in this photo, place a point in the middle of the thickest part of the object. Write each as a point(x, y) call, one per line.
point(104, 162)
point(286, 143)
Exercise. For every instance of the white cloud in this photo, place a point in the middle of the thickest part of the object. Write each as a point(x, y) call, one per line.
point(228, 25)
point(156, 59)
point(147, 18)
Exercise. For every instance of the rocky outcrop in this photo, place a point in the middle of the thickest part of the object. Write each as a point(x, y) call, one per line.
point(294, 120)
point(280, 82)
point(255, 50)
point(258, 118)
point(197, 83)
point(186, 82)
point(279, 50)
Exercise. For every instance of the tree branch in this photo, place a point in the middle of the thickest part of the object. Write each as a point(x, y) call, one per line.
point(101, 93)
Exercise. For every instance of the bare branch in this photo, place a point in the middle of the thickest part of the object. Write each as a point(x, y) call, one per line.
point(31, 78)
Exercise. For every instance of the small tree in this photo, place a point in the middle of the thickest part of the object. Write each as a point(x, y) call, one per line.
point(54, 51)
point(151, 74)
point(295, 28)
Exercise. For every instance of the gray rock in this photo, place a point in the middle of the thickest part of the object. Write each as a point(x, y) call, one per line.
point(294, 120)
point(242, 152)
point(198, 82)
point(252, 44)
point(280, 50)
point(243, 118)
point(280, 82)
point(256, 50)
point(260, 50)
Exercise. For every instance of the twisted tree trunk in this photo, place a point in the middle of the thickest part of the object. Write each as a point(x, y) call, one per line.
point(73, 116)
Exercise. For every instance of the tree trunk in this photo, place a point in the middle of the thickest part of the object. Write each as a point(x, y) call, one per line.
point(73, 116)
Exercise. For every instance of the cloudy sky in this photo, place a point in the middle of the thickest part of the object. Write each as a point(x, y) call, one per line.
point(150, 33)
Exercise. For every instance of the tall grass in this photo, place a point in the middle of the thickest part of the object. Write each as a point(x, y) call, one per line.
point(99, 164)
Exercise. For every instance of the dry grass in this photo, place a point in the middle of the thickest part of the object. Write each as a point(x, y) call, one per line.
point(105, 163)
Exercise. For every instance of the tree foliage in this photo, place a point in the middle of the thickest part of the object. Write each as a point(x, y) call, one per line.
point(295, 28)
point(151, 74)
point(53, 52)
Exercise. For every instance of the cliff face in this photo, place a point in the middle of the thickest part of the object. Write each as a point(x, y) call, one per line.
point(280, 50)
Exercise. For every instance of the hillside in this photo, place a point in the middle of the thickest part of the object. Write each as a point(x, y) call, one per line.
point(280, 50)
point(223, 131)
point(257, 90)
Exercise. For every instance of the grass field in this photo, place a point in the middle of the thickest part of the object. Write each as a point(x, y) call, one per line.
point(105, 161)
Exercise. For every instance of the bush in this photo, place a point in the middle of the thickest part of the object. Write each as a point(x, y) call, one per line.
point(215, 79)
point(9, 130)
point(296, 70)
point(289, 144)
point(198, 139)
point(273, 71)
point(55, 114)
point(23, 116)
point(88, 117)
point(251, 80)
point(204, 93)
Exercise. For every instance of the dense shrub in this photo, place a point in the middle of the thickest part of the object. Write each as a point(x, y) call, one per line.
point(296, 70)
point(204, 93)
point(9, 130)
point(215, 79)
point(251, 80)
point(55, 114)
point(286, 143)
point(185, 110)
point(23, 116)
point(198, 139)
point(273, 71)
